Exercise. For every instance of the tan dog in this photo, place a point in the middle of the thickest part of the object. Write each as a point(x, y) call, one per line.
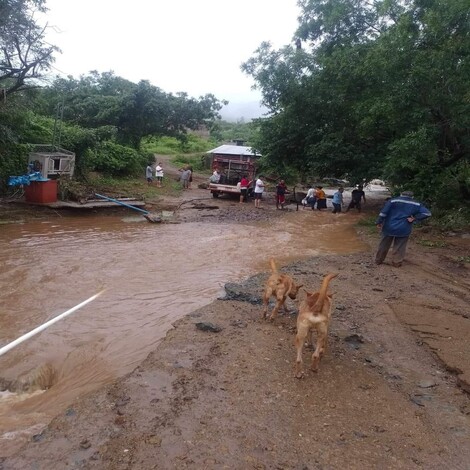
point(280, 286)
point(314, 313)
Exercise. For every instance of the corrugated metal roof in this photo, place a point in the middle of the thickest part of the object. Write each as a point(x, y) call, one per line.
point(234, 150)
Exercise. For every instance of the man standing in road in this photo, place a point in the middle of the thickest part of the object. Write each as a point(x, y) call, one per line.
point(396, 222)
point(259, 189)
point(357, 196)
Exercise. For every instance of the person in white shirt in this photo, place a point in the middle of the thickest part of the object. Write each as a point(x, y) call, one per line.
point(159, 174)
point(215, 178)
point(311, 197)
point(259, 189)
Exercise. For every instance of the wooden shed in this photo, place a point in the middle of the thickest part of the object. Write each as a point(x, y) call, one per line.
point(52, 161)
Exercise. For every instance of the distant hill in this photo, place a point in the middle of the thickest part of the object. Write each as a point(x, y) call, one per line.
point(246, 111)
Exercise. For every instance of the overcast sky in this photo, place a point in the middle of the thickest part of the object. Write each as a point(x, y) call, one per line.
point(195, 46)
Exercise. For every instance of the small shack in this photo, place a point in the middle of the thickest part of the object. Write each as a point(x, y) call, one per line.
point(52, 161)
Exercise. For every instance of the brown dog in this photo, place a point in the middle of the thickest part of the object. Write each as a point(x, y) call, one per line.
point(280, 286)
point(314, 313)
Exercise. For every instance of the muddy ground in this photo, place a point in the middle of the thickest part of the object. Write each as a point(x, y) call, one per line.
point(391, 393)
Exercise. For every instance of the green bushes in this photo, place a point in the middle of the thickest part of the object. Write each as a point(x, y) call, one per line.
point(13, 162)
point(115, 160)
point(173, 146)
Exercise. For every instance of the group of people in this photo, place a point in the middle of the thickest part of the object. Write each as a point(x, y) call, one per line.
point(316, 197)
point(186, 176)
point(158, 174)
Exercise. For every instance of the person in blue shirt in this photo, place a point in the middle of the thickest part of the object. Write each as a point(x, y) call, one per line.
point(395, 221)
point(338, 200)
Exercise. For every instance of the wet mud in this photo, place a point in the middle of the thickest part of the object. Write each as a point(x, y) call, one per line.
point(390, 392)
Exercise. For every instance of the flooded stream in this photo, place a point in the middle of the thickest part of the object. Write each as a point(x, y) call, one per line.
point(153, 275)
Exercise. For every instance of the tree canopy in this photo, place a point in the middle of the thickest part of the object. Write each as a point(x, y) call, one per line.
point(378, 89)
point(25, 56)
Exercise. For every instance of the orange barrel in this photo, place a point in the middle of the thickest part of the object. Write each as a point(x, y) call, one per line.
point(41, 192)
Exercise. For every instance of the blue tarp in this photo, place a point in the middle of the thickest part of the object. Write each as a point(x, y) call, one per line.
point(25, 180)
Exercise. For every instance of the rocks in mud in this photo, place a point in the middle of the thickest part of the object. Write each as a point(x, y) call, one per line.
point(85, 444)
point(354, 340)
point(38, 437)
point(239, 323)
point(420, 399)
point(242, 292)
point(207, 326)
point(427, 384)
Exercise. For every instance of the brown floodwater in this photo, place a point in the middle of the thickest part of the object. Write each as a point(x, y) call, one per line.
point(153, 274)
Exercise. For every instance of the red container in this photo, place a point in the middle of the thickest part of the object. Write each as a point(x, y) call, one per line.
point(41, 191)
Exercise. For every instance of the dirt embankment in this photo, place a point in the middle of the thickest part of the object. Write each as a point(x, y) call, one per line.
point(390, 392)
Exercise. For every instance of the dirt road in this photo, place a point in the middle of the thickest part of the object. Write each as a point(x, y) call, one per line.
point(391, 392)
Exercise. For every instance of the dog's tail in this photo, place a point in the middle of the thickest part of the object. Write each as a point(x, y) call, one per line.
point(323, 292)
point(273, 265)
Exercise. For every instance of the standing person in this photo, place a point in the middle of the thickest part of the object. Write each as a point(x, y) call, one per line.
point(396, 222)
point(185, 175)
point(190, 168)
point(149, 173)
point(321, 198)
point(259, 189)
point(311, 197)
point(159, 174)
point(357, 196)
point(244, 183)
point(338, 200)
point(281, 190)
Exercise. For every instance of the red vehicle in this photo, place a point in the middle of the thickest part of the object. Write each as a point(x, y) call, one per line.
point(231, 170)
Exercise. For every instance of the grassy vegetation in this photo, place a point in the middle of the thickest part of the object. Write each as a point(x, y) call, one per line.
point(451, 219)
point(172, 146)
point(117, 187)
point(195, 161)
point(433, 243)
point(368, 223)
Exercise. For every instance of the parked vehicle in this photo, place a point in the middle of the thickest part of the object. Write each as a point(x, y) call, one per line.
point(231, 171)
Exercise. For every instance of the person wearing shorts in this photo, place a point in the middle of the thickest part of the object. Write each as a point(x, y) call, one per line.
point(281, 190)
point(244, 183)
point(259, 189)
point(159, 174)
point(357, 196)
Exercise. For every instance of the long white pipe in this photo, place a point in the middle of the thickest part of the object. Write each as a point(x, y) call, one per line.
point(45, 325)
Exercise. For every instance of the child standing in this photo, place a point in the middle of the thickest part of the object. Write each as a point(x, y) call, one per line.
point(281, 189)
point(159, 174)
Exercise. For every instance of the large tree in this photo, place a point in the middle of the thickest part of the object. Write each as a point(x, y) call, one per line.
point(378, 89)
point(24, 54)
point(134, 110)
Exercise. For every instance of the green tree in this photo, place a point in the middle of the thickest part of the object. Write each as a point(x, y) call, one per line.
point(25, 56)
point(135, 110)
point(373, 82)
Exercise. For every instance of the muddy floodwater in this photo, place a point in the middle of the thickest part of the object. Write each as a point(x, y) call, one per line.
point(153, 274)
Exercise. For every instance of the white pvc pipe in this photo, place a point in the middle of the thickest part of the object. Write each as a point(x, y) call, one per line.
point(45, 325)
